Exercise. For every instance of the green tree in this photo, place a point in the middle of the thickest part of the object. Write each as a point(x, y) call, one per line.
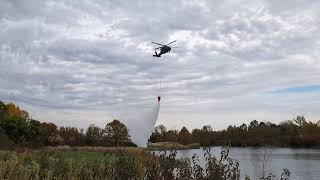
point(161, 129)
point(118, 132)
point(159, 134)
point(300, 121)
point(16, 129)
point(2, 111)
point(5, 142)
point(69, 135)
point(184, 136)
point(244, 127)
point(172, 136)
point(254, 124)
point(205, 139)
point(207, 128)
point(50, 134)
point(33, 132)
point(94, 135)
point(197, 135)
point(94, 131)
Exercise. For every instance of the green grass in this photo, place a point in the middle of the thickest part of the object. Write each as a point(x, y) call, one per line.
point(70, 165)
point(88, 157)
point(95, 155)
point(81, 155)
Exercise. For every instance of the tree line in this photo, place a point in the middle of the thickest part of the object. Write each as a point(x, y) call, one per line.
point(18, 129)
point(290, 133)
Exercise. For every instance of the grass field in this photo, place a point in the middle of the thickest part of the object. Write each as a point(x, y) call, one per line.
point(85, 156)
point(43, 164)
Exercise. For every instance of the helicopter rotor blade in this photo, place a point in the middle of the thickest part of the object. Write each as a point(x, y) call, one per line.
point(157, 43)
point(171, 42)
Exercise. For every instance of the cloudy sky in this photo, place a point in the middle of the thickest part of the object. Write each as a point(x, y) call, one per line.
point(82, 62)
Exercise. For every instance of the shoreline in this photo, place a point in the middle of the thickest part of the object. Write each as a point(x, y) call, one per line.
point(171, 146)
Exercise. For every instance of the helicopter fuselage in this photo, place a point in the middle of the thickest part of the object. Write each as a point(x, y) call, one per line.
point(164, 49)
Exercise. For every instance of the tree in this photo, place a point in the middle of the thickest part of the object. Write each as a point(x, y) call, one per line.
point(33, 131)
point(201, 136)
point(254, 124)
point(207, 128)
point(5, 142)
point(94, 131)
point(185, 136)
point(205, 139)
point(118, 132)
point(197, 134)
point(159, 134)
point(69, 135)
point(262, 125)
point(16, 129)
point(172, 136)
point(161, 129)
point(14, 111)
point(244, 127)
point(2, 111)
point(94, 135)
point(155, 137)
point(300, 121)
point(50, 134)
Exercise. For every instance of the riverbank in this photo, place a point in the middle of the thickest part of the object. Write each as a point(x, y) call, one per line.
point(171, 146)
point(101, 149)
point(127, 150)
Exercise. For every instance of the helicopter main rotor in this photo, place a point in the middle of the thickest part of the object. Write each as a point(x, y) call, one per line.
point(162, 45)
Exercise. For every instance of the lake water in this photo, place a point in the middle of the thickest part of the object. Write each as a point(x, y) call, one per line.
point(304, 164)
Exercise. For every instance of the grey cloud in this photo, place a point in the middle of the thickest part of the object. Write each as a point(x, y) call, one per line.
point(97, 56)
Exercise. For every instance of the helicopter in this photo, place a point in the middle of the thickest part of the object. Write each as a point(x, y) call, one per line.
point(163, 49)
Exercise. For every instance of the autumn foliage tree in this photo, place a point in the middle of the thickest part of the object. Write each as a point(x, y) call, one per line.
point(18, 129)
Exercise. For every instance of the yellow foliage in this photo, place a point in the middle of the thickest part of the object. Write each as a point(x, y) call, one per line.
point(15, 111)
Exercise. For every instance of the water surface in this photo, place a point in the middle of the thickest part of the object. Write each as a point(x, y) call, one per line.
point(304, 164)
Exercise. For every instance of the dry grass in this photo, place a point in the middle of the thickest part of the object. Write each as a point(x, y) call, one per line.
point(126, 150)
point(171, 146)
